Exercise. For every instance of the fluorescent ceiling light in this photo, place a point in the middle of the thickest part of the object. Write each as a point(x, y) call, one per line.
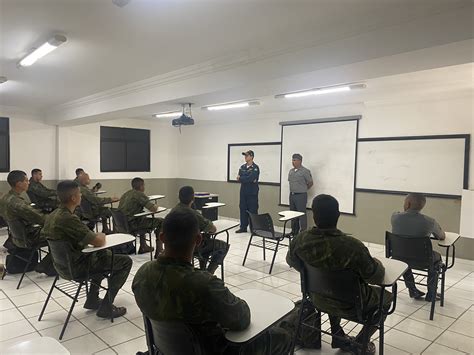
point(42, 50)
point(231, 105)
point(321, 91)
point(172, 114)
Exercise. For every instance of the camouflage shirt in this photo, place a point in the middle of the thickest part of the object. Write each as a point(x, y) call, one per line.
point(205, 225)
point(15, 207)
point(95, 201)
point(133, 202)
point(168, 289)
point(61, 224)
point(332, 249)
point(41, 192)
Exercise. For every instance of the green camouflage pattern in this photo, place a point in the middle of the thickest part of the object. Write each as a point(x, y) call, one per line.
point(97, 203)
point(332, 249)
point(205, 225)
point(133, 202)
point(43, 196)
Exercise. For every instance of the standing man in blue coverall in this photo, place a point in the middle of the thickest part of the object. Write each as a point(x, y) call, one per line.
point(248, 178)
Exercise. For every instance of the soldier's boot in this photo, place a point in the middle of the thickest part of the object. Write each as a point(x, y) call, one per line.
point(108, 310)
point(93, 301)
point(144, 247)
point(159, 247)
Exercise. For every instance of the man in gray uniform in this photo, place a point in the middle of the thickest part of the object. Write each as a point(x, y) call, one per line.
point(413, 223)
point(300, 181)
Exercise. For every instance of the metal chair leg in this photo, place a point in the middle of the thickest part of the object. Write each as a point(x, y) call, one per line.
point(443, 279)
point(264, 249)
point(248, 247)
point(71, 309)
point(26, 268)
point(274, 256)
point(49, 296)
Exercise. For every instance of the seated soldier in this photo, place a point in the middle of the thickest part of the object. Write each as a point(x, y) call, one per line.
point(80, 171)
point(63, 224)
point(326, 247)
point(45, 198)
point(412, 223)
point(214, 249)
point(170, 289)
point(133, 202)
point(16, 208)
point(97, 203)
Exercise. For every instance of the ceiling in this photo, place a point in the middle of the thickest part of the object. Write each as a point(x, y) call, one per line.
point(110, 46)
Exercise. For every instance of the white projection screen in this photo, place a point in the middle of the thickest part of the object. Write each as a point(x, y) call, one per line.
point(329, 151)
point(433, 165)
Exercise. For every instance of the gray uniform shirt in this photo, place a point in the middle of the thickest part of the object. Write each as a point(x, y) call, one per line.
point(299, 179)
point(413, 223)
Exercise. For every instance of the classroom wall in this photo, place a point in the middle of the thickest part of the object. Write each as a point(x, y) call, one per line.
point(32, 144)
point(427, 117)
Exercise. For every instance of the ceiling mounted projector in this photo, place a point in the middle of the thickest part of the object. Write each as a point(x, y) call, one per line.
point(185, 119)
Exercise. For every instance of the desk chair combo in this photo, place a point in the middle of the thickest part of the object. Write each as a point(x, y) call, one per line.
point(72, 286)
point(417, 252)
point(121, 226)
point(261, 226)
point(343, 286)
point(17, 230)
point(87, 215)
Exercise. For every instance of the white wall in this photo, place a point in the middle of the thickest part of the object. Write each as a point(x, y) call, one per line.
point(79, 146)
point(32, 143)
point(205, 145)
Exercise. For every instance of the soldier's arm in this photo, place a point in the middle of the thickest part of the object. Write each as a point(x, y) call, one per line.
point(308, 178)
point(146, 203)
point(79, 232)
point(93, 199)
point(369, 268)
point(228, 310)
point(43, 191)
point(205, 225)
point(29, 214)
point(438, 231)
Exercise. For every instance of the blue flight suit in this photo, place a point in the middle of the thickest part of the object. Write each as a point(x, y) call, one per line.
point(248, 192)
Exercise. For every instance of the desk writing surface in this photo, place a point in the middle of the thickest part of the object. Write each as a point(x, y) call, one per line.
point(451, 238)
point(223, 224)
point(289, 215)
point(156, 197)
point(111, 240)
point(394, 269)
point(266, 308)
point(39, 345)
point(213, 205)
point(148, 213)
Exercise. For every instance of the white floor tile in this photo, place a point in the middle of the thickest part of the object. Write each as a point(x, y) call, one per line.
point(34, 309)
point(119, 333)
point(15, 329)
point(420, 329)
point(10, 315)
point(108, 351)
point(437, 349)
point(132, 346)
point(423, 315)
point(457, 341)
point(6, 304)
point(18, 339)
point(95, 323)
point(463, 327)
point(49, 320)
point(405, 341)
point(86, 344)
point(29, 298)
point(74, 329)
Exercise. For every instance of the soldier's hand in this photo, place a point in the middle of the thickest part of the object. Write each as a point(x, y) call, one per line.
point(238, 177)
point(99, 240)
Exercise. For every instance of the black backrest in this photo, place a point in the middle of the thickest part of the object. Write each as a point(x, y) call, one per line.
point(61, 253)
point(417, 252)
point(261, 223)
point(120, 221)
point(341, 285)
point(32, 196)
point(170, 338)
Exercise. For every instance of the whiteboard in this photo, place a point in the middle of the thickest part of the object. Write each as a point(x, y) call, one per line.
point(427, 165)
point(467, 211)
point(329, 152)
point(267, 157)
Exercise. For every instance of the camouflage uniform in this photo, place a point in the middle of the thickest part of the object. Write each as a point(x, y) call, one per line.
point(16, 208)
point(168, 289)
point(210, 247)
point(61, 224)
point(42, 196)
point(331, 249)
point(97, 203)
point(133, 202)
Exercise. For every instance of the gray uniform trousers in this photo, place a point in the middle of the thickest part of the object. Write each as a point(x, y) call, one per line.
point(298, 203)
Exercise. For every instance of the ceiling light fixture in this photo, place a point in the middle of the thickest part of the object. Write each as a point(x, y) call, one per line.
point(171, 114)
point(3, 79)
point(231, 105)
point(321, 91)
point(42, 50)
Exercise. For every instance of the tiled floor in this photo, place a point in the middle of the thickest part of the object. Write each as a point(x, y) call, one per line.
point(408, 330)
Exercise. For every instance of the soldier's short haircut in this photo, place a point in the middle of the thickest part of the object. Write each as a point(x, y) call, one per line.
point(186, 194)
point(66, 189)
point(34, 171)
point(179, 228)
point(79, 171)
point(137, 183)
point(417, 201)
point(15, 176)
point(325, 211)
